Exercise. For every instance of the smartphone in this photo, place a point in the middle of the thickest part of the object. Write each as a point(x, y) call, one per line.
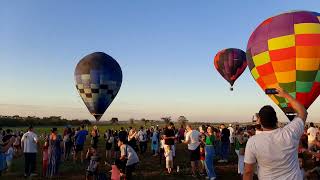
point(271, 91)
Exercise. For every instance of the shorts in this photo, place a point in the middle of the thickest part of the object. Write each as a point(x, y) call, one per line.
point(79, 147)
point(195, 154)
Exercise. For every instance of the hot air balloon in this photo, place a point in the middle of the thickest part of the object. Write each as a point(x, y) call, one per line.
point(98, 79)
point(230, 63)
point(284, 51)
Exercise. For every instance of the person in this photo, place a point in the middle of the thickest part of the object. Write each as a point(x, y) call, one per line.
point(312, 134)
point(123, 134)
point(29, 142)
point(142, 135)
point(275, 149)
point(209, 153)
point(202, 169)
point(108, 137)
point(9, 157)
point(79, 142)
point(55, 146)
point(67, 141)
point(231, 137)
point(161, 149)
point(116, 148)
point(94, 137)
point(169, 137)
point(128, 159)
point(17, 144)
point(181, 134)
point(93, 168)
point(301, 166)
point(193, 140)
point(4, 148)
point(132, 141)
point(169, 158)
point(45, 156)
point(225, 143)
point(155, 142)
point(240, 144)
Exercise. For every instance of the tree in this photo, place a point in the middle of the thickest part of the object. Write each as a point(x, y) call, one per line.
point(131, 121)
point(166, 120)
point(114, 120)
point(143, 120)
point(182, 120)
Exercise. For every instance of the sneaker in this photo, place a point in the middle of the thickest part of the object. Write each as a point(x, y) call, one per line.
point(207, 177)
point(226, 161)
point(221, 161)
point(33, 174)
point(213, 178)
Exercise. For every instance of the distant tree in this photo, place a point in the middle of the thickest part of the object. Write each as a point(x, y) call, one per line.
point(86, 122)
point(182, 120)
point(114, 120)
point(131, 121)
point(143, 120)
point(166, 120)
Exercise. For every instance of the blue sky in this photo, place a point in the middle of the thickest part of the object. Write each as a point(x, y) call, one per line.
point(165, 49)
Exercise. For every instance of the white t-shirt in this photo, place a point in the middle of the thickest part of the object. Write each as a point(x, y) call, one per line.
point(312, 131)
point(131, 155)
point(142, 136)
point(276, 152)
point(231, 134)
point(193, 136)
point(29, 140)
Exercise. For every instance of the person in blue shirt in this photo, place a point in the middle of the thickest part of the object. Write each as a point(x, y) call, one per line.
point(80, 139)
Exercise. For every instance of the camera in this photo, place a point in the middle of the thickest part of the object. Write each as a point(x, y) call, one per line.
point(271, 91)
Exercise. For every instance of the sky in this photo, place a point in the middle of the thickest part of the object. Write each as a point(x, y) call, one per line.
point(165, 49)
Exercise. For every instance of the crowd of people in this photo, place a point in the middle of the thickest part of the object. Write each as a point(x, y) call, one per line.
point(263, 150)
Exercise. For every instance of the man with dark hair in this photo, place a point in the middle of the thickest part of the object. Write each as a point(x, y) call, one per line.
point(275, 149)
point(142, 137)
point(80, 139)
point(29, 143)
point(225, 143)
point(123, 135)
point(312, 135)
point(169, 137)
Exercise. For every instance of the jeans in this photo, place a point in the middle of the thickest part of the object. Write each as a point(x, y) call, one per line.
point(29, 163)
point(218, 148)
point(209, 150)
point(143, 147)
point(225, 147)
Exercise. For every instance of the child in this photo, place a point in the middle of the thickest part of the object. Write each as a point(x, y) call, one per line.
point(93, 167)
point(9, 157)
point(169, 158)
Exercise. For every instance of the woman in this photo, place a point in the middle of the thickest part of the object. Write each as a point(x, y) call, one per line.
point(209, 153)
point(95, 137)
point(132, 140)
point(4, 148)
point(108, 137)
point(67, 139)
point(54, 153)
point(155, 142)
point(240, 145)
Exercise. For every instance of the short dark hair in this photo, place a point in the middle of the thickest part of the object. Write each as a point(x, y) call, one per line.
point(268, 117)
point(311, 124)
point(171, 124)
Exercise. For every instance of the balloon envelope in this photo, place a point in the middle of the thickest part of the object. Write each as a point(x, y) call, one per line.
point(230, 63)
point(284, 51)
point(98, 79)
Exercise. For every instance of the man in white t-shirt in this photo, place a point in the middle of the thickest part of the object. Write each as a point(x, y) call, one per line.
point(231, 134)
point(29, 143)
point(142, 137)
point(312, 134)
point(193, 140)
point(275, 149)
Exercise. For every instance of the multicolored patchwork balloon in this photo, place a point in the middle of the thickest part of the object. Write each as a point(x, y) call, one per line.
point(98, 79)
point(284, 51)
point(230, 63)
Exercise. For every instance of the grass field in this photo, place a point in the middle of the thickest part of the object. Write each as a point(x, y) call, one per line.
point(149, 167)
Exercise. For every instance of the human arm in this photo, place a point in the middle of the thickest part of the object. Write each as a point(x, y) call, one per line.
point(248, 171)
point(6, 147)
point(296, 105)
